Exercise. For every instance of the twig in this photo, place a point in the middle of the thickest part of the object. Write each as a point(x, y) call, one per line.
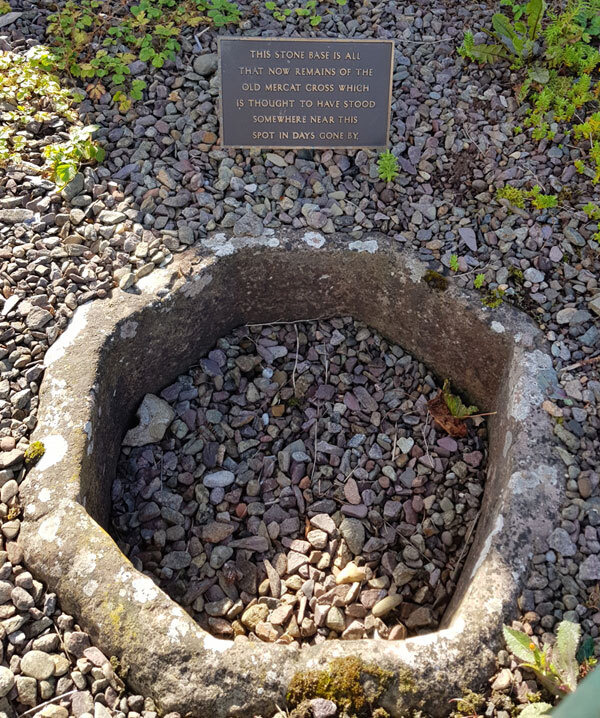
point(531, 172)
point(350, 474)
point(476, 416)
point(296, 359)
point(425, 438)
point(314, 466)
point(395, 441)
point(473, 142)
point(48, 702)
point(583, 362)
point(421, 42)
point(298, 321)
point(408, 542)
point(465, 546)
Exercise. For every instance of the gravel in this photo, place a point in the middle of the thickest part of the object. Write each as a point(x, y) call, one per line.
point(305, 530)
point(166, 183)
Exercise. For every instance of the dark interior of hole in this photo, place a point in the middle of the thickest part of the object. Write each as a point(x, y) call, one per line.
point(259, 285)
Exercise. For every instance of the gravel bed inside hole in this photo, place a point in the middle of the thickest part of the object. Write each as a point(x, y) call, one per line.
point(218, 496)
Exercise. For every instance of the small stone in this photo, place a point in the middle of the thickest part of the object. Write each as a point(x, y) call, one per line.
point(219, 555)
point(594, 304)
point(254, 615)
point(8, 491)
point(323, 522)
point(37, 664)
point(82, 702)
point(560, 541)
point(422, 617)
point(365, 399)
point(53, 711)
point(95, 656)
point(351, 573)
point(217, 531)
point(317, 538)
point(387, 604)
point(220, 626)
point(503, 680)
point(277, 160)
point(589, 570)
point(206, 64)
point(335, 620)
point(397, 633)
point(15, 216)
point(155, 417)
point(109, 217)
point(76, 642)
point(10, 458)
point(249, 225)
point(354, 631)
point(351, 491)
point(323, 708)
point(27, 690)
point(281, 615)
point(218, 608)
point(555, 254)
point(260, 544)
point(534, 275)
point(177, 560)
point(469, 237)
point(7, 680)
point(353, 532)
point(405, 444)
point(295, 560)
point(22, 600)
point(218, 479)
point(75, 187)
point(266, 632)
point(37, 318)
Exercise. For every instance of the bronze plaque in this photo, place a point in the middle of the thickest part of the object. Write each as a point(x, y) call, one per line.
point(316, 93)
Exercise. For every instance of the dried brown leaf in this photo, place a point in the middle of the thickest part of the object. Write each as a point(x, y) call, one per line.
point(452, 425)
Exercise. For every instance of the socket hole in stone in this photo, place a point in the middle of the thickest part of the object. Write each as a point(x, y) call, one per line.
point(232, 516)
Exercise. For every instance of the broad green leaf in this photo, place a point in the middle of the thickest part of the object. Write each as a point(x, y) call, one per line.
point(535, 12)
point(539, 74)
point(503, 27)
point(485, 53)
point(594, 26)
point(518, 643)
point(584, 702)
point(146, 53)
point(563, 654)
point(65, 173)
point(586, 650)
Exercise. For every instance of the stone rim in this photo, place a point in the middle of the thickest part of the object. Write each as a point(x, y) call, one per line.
point(168, 655)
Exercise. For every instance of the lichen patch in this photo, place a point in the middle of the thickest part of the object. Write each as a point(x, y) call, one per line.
point(56, 448)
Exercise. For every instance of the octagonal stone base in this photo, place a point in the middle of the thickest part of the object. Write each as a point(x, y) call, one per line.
point(117, 350)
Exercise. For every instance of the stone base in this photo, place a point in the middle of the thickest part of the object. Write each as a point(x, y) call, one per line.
point(115, 351)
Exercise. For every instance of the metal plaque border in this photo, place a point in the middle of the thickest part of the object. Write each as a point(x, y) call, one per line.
point(304, 39)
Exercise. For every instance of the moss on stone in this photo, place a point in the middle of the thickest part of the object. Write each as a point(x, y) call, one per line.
point(436, 280)
point(351, 684)
point(469, 704)
point(34, 452)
